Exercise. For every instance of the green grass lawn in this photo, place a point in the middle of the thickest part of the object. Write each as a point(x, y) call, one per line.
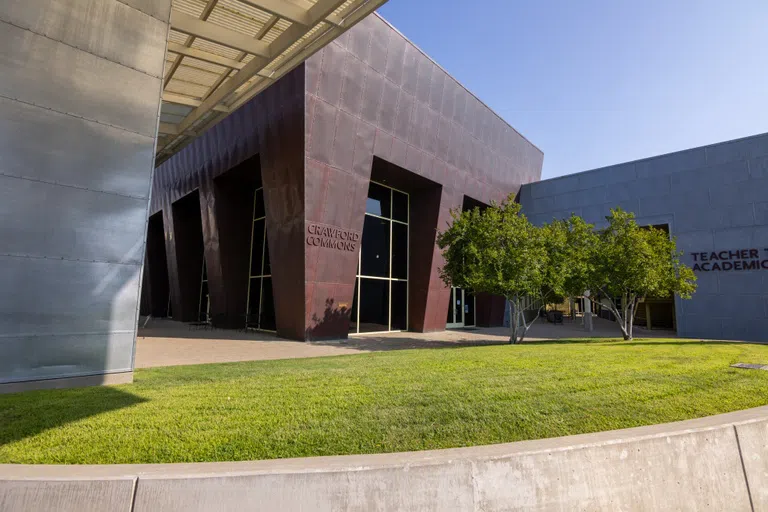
point(381, 402)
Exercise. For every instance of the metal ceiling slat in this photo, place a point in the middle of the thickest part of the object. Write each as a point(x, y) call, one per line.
point(223, 52)
point(217, 33)
point(188, 42)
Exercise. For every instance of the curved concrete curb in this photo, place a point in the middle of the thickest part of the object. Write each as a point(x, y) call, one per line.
point(714, 463)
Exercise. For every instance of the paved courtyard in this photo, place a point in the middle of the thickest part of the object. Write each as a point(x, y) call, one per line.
point(169, 343)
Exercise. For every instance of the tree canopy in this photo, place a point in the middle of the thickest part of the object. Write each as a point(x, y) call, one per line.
point(498, 251)
point(632, 263)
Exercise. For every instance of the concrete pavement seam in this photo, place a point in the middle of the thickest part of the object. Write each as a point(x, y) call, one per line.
point(744, 468)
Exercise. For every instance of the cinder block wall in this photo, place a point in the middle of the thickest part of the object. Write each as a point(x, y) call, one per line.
point(714, 198)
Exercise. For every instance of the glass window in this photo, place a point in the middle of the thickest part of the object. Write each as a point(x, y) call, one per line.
point(256, 248)
point(381, 304)
point(254, 298)
point(353, 315)
point(258, 204)
point(267, 265)
point(374, 305)
point(267, 320)
point(469, 308)
point(399, 306)
point(202, 314)
point(458, 306)
point(399, 206)
point(261, 306)
point(379, 201)
point(375, 247)
point(399, 251)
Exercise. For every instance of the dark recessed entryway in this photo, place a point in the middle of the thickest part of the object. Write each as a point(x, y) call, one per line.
point(155, 294)
point(192, 302)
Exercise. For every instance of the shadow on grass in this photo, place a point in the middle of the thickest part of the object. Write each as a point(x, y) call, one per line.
point(637, 342)
point(391, 343)
point(30, 413)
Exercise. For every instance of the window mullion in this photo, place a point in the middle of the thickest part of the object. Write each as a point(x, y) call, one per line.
point(261, 279)
point(389, 283)
point(250, 261)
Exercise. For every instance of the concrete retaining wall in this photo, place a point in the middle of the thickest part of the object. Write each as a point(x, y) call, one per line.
point(714, 463)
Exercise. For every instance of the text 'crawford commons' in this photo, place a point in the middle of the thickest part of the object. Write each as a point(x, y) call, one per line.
point(739, 259)
point(331, 237)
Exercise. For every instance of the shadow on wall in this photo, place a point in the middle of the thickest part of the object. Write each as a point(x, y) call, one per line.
point(27, 414)
point(333, 321)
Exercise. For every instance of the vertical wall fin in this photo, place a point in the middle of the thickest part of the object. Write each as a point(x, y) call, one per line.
point(79, 117)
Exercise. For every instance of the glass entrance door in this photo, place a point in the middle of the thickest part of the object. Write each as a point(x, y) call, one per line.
point(461, 309)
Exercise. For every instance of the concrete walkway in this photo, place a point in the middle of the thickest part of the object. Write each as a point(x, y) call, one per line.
point(168, 343)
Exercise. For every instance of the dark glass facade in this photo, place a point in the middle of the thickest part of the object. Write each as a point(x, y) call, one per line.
point(260, 305)
point(381, 288)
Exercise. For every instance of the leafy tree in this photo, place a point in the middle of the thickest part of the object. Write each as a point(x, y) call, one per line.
point(571, 244)
point(631, 263)
point(498, 251)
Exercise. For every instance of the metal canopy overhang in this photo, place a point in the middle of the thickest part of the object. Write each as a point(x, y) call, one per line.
point(223, 52)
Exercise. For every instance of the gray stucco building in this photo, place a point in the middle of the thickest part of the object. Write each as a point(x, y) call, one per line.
point(714, 199)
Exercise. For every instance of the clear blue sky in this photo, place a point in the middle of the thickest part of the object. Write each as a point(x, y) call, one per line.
point(599, 82)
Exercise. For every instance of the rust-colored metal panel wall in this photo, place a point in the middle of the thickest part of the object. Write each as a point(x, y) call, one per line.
point(429, 297)
point(232, 213)
point(425, 209)
point(213, 254)
point(372, 94)
point(489, 310)
point(368, 103)
point(282, 167)
point(265, 136)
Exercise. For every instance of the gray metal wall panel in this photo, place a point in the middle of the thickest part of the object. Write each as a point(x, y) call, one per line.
point(160, 9)
point(74, 191)
point(58, 148)
point(712, 197)
point(58, 356)
point(66, 297)
point(40, 219)
point(105, 28)
point(45, 72)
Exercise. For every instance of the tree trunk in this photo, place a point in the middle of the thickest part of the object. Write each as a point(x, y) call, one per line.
point(623, 327)
point(526, 326)
point(517, 321)
point(512, 323)
point(620, 320)
point(635, 303)
point(588, 314)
